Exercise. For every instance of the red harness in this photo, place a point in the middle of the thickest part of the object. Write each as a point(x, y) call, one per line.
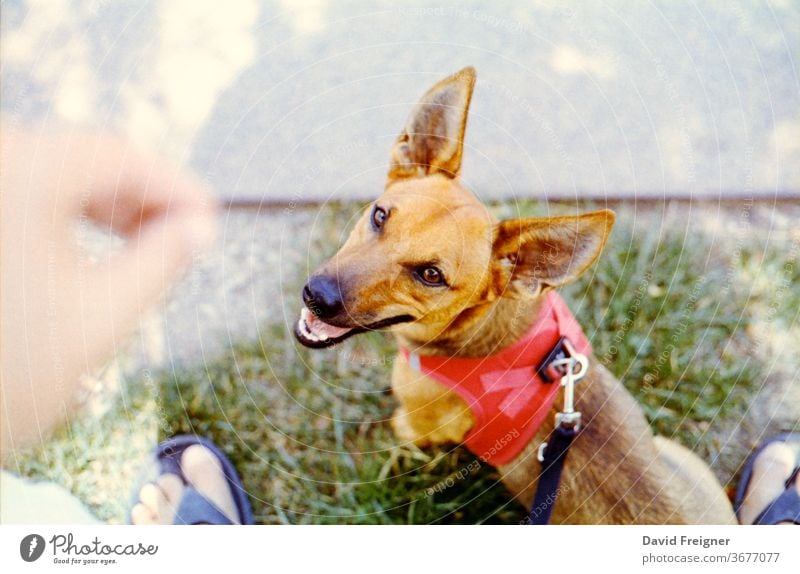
point(509, 399)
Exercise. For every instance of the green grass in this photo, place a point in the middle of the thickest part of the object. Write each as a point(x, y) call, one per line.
point(668, 309)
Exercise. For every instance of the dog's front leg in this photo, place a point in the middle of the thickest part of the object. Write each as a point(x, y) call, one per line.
point(429, 414)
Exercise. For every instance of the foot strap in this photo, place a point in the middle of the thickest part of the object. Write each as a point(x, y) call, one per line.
point(197, 509)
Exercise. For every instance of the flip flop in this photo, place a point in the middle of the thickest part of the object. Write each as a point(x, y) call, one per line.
point(194, 508)
point(786, 507)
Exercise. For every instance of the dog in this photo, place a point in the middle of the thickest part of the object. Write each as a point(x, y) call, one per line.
point(428, 262)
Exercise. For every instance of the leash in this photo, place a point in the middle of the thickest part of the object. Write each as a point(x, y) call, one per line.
point(566, 364)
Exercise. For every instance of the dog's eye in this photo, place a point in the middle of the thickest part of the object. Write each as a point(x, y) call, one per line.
point(430, 276)
point(379, 217)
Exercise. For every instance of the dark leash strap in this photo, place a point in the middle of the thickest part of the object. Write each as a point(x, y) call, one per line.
point(553, 456)
point(553, 453)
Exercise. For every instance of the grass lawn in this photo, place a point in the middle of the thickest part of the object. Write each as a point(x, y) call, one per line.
point(677, 308)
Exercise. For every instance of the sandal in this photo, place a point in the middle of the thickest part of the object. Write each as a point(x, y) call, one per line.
point(786, 507)
point(194, 508)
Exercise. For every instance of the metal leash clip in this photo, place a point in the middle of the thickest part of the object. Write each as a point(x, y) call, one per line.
point(572, 369)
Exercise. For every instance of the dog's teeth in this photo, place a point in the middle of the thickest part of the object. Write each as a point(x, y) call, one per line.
point(307, 331)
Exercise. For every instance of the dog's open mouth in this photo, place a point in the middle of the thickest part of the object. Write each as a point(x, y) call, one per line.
point(315, 333)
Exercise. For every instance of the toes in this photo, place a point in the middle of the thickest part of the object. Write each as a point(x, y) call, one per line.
point(172, 487)
point(140, 515)
point(161, 505)
point(152, 497)
point(159, 500)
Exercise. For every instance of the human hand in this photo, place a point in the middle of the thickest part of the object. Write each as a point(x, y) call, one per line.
point(61, 316)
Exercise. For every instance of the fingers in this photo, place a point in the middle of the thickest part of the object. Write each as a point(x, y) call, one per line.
point(168, 220)
point(66, 317)
point(140, 275)
point(127, 189)
point(131, 190)
point(102, 177)
point(167, 217)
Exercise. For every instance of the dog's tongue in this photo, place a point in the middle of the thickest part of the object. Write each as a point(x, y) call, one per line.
point(320, 329)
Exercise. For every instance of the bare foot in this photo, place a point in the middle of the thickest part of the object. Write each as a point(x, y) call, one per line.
point(771, 469)
point(159, 500)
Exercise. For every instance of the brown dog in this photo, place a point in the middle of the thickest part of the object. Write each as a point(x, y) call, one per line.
point(428, 260)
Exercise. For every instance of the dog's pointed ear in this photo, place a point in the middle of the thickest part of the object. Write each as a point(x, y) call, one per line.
point(539, 253)
point(433, 138)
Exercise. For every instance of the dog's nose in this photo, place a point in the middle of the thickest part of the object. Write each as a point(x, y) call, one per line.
point(322, 296)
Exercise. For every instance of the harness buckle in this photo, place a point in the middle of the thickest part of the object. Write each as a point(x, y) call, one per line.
point(573, 368)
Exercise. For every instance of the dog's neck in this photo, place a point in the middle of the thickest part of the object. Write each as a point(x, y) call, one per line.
point(482, 330)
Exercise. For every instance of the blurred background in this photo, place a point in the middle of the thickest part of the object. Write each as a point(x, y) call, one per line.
point(683, 116)
point(608, 99)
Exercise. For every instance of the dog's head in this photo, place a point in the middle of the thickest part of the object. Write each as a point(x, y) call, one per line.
point(427, 256)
